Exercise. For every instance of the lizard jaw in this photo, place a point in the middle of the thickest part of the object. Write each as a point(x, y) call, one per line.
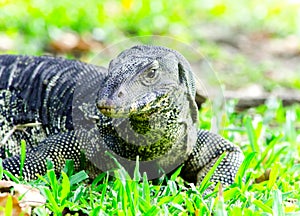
point(142, 107)
point(113, 112)
point(125, 112)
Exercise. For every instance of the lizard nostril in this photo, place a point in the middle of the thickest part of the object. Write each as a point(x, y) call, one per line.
point(120, 94)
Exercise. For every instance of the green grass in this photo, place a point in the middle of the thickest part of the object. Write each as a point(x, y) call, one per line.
point(269, 137)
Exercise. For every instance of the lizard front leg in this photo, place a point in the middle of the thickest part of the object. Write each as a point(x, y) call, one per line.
point(57, 148)
point(208, 149)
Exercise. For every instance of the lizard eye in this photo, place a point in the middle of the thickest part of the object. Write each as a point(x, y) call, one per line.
point(150, 77)
point(151, 74)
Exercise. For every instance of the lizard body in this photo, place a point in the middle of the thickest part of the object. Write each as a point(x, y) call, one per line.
point(142, 105)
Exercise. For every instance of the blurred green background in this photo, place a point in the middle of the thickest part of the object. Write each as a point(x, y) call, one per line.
point(253, 45)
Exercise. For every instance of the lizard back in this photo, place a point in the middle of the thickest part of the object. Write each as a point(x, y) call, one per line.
point(36, 98)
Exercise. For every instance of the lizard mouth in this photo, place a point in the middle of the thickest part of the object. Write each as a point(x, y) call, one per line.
point(105, 111)
point(140, 110)
point(124, 112)
point(113, 112)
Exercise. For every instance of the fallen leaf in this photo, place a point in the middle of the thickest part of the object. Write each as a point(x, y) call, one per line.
point(71, 42)
point(264, 177)
point(11, 202)
point(6, 43)
point(23, 197)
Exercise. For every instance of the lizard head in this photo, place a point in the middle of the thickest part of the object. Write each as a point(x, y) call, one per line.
point(149, 95)
point(144, 80)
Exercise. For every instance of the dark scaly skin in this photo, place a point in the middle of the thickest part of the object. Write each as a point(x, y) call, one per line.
point(142, 106)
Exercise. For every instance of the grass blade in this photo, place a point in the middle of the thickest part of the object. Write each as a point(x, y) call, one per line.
point(146, 189)
point(251, 134)
point(275, 170)
point(65, 187)
point(277, 204)
point(220, 206)
point(22, 158)
point(1, 169)
point(52, 202)
point(262, 206)
point(137, 175)
point(244, 167)
point(205, 182)
point(11, 176)
point(78, 177)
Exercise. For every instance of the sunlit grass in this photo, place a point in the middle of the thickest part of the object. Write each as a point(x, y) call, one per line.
point(267, 182)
